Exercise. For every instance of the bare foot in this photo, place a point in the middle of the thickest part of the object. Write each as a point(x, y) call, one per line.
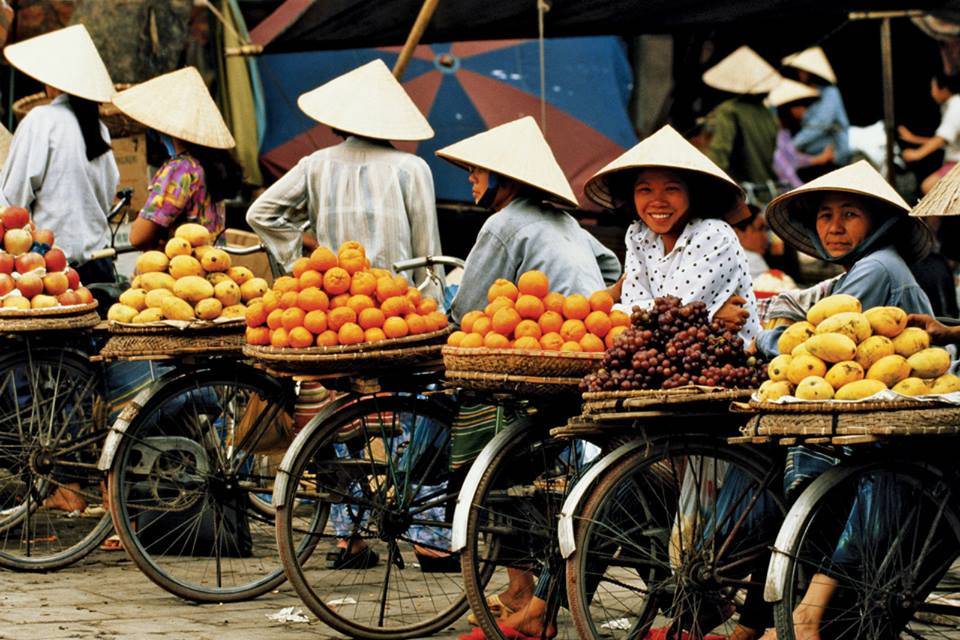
point(67, 498)
point(745, 633)
point(771, 634)
point(520, 590)
point(530, 620)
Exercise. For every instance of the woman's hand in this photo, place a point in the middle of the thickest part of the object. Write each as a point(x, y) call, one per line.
point(824, 157)
point(912, 155)
point(939, 332)
point(733, 315)
point(617, 289)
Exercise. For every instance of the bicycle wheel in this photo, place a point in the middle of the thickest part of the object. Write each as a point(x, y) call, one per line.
point(676, 540)
point(377, 471)
point(51, 429)
point(883, 538)
point(512, 528)
point(181, 481)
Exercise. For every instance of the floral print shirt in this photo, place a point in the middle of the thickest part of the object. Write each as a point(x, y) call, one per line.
point(178, 194)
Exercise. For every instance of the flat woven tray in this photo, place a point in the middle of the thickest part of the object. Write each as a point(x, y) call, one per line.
point(830, 407)
point(159, 328)
point(540, 364)
point(623, 401)
point(163, 346)
point(52, 312)
point(73, 322)
point(927, 420)
point(512, 384)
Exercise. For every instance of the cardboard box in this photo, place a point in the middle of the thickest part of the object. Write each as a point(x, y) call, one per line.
point(257, 262)
point(131, 156)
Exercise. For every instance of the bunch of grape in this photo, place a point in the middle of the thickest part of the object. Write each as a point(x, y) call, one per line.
point(673, 345)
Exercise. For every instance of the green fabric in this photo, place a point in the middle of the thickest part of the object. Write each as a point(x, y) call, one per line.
point(475, 426)
point(743, 137)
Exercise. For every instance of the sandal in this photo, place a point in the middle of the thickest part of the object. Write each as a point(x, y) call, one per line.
point(447, 563)
point(340, 559)
point(112, 543)
point(496, 607)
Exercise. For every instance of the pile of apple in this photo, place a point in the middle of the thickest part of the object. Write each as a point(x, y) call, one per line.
point(33, 271)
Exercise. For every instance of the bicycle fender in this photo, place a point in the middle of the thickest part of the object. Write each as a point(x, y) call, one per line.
point(571, 506)
point(792, 523)
point(470, 484)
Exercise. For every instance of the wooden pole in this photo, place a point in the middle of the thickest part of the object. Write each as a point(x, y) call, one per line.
point(886, 52)
point(413, 39)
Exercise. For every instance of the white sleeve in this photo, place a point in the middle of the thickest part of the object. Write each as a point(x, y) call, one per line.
point(278, 215)
point(949, 128)
point(711, 268)
point(636, 287)
point(26, 166)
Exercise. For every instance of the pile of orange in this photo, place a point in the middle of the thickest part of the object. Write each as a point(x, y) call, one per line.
point(335, 299)
point(528, 316)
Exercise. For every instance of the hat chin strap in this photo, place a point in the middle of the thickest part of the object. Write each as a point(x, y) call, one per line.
point(858, 251)
point(490, 195)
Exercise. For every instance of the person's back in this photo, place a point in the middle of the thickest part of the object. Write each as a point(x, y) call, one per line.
point(743, 139)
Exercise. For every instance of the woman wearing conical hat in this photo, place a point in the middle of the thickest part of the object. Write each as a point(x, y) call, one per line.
point(363, 188)
point(200, 174)
point(60, 165)
point(513, 172)
point(825, 123)
point(791, 99)
point(741, 129)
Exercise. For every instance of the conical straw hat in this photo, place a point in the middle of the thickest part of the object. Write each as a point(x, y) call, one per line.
point(742, 72)
point(715, 192)
point(943, 199)
point(516, 150)
point(65, 59)
point(790, 91)
point(791, 214)
point(367, 101)
point(812, 60)
point(179, 105)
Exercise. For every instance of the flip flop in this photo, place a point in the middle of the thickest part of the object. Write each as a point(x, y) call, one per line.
point(497, 608)
point(112, 543)
point(508, 632)
point(365, 559)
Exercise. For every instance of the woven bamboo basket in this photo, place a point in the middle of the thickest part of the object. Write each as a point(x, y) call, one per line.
point(118, 124)
point(929, 419)
point(162, 346)
point(29, 314)
point(538, 364)
point(160, 328)
point(50, 323)
point(618, 401)
point(528, 386)
point(830, 407)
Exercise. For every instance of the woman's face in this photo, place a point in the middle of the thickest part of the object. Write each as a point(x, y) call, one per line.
point(755, 237)
point(662, 200)
point(842, 223)
point(479, 179)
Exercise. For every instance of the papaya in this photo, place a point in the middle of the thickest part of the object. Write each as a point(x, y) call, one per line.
point(831, 347)
point(886, 321)
point(831, 306)
point(859, 390)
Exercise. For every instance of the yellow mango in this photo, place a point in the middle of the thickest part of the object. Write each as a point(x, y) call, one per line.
point(234, 311)
point(136, 298)
point(800, 350)
point(859, 390)
point(849, 323)
point(148, 315)
point(176, 309)
point(217, 277)
point(196, 234)
point(889, 370)
point(930, 363)
point(152, 262)
point(910, 341)
point(947, 383)
point(911, 387)
point(135, 283)
point(886, 321)
point(177, 247)
point(772, 390)
point(844, 373)
point(208, 309)
point(240, 274)
point(227, 292)
point(831, 306)
point(777, 369)
point(872, 349)
point(193, 289)
point(805, 366)
point(119, 312)
point(831, 347)
point(253, 288)
point(795, 334)
point(216, 260)
point(814, 388)
point(151, 281)
point(183, 266)
point(154, 298)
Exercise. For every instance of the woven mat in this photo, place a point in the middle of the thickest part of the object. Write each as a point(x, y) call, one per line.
point(512, 384)
point(928, 420)
point(51, 312)
point(606, 401)
point(162, 346)
point(55, 323)
point(541, 364)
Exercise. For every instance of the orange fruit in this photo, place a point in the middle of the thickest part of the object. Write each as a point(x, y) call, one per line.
point(279, 338)
point(601, 301)
point(301, 265)
point(483, 326)
point(431, 321)
point(310, 278)
point(571, 346)
point(573, 330)
point(286, 283)
point(300, 338)
point(550, 321)
point(374, 334)
point(396, 306)
point(352, 261)
point(528, 329)
point(380, 273)
point(336, 281)
point(255, 315)
point(360, 302)
point(402, 284)
point(427, 305)
point(327, 339)
point(454, 339)
point(505, 321)
point(502, 302)
point(312, 299)
point(527, 343)
point(340, 316)
point(529, 306)
point(466, 322)
point(274, 319)
point(395, 327)
point(292, 317)
point(271, 300)
point(553, 301)
point(371, 318)
point(612, 335)
point(351, 245)
point(619, 319)
point(576, 307)
point(592, 343)
point(288, 299)
point(416, 323)
point(472, 341)
point(350, 333)
point(501, 287)
point(340, 300)
point(414, 296)
point(495, 340)
point(322, 259)
point(315, 322)
point(551, 341)
point(363, 283)
point(534, 283)
point(258, 335)
point(598, 323)
point(440, 318)
point(387, 288)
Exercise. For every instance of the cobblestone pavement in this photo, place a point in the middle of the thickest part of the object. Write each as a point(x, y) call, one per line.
point(107, 598)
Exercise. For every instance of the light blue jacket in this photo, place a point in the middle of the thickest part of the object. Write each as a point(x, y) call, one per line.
point(825, 123)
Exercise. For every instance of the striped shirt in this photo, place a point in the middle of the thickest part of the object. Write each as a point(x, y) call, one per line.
point(356, 190)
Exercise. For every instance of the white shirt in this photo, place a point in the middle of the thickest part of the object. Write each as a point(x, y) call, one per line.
point(949, 128)
point(707, 263)
point(356, 190)
point(47, 172)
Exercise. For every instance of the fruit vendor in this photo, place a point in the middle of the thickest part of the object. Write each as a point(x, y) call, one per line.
point(191, 186)
point(362, 189)
point(528, 230)
point(60, 164)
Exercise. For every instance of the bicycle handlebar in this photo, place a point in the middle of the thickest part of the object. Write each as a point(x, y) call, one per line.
point(242, 251)
point(427, 261)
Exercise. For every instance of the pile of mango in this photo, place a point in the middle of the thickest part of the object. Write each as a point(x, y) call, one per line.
point(189, 280)
point(841, 352)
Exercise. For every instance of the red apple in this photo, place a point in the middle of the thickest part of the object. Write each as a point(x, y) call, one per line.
point(14, 217)
point(68, 298)
point(55, 259)
point(29, 262)
point(41, 301)
point(7, 284)
point(55, 283)
point(16, 302)
point(30, 285)
point(84, 295)
point(73, 278)
point(6, 262)
point(17, 241)
point(2, 229)
point(43, 236)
